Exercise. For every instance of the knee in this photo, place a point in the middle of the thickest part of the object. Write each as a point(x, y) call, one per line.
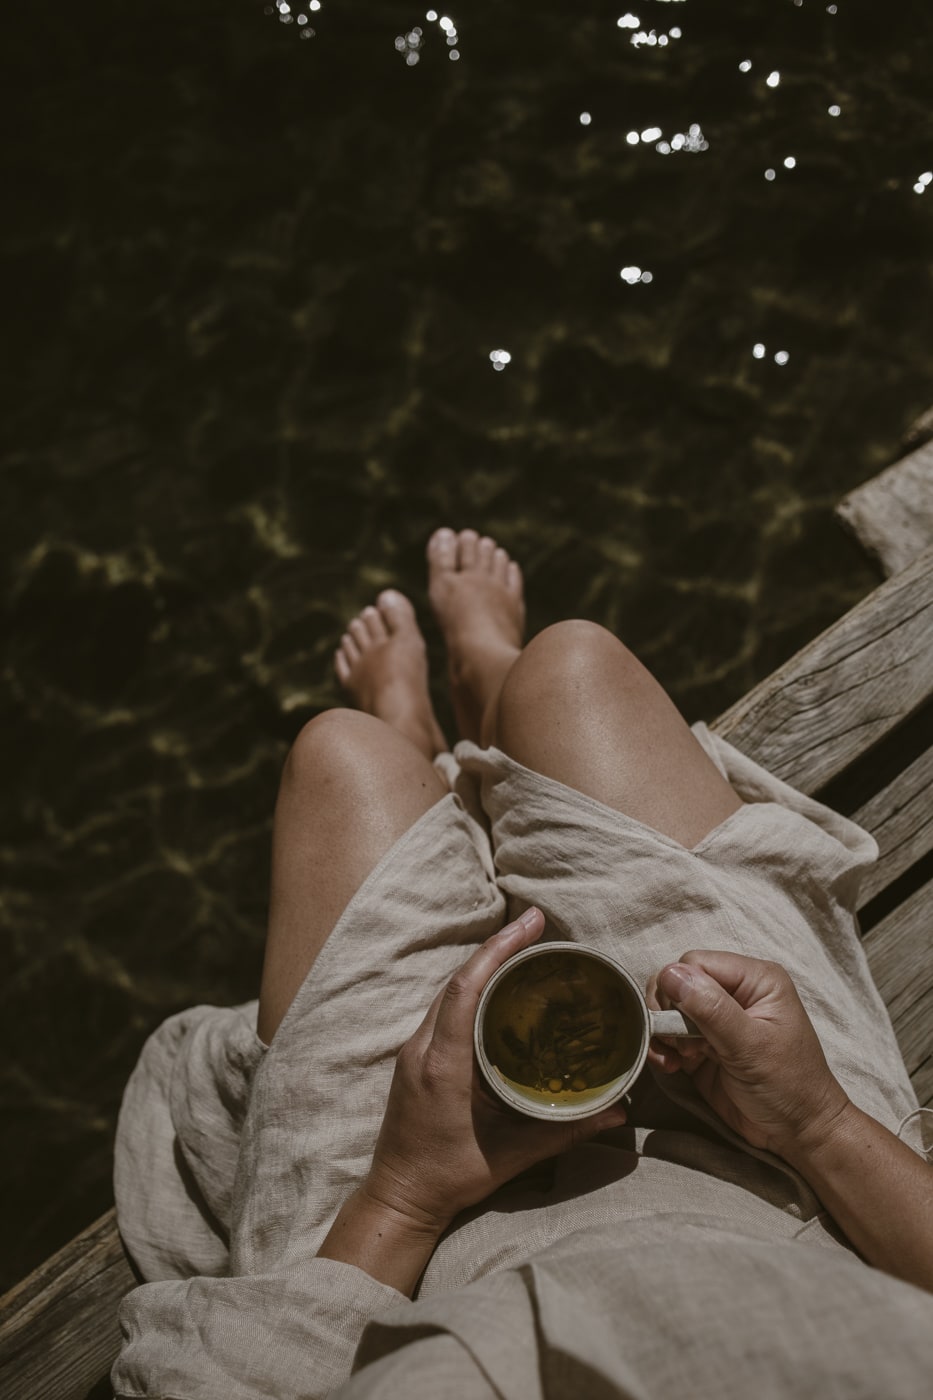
point(567, 656)
point(327, 747)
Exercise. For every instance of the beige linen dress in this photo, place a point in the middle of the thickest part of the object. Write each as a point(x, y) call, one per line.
point(664, 1254)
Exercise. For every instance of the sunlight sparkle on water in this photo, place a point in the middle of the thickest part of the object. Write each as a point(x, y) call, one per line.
point(585, 119)
point(499, 358)
point(773, 78)
point(651, 39)
point(411, 44)
point(633, 274)
point(692, 140)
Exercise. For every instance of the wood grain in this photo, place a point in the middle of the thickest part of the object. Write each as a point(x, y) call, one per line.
point(900, 955)
point(844, 691)
point(922, 1079)
point(58, 1328)
point(892, 515)
point(900, 818)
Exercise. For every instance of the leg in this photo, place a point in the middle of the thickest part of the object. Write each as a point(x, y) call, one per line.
point(575, 705)
point(351, 787)
point(578, 706)
point(353, 784)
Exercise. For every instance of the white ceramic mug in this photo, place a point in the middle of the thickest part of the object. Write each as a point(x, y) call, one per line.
point(509, 994)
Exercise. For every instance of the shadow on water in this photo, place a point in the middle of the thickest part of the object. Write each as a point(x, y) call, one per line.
point(255, 284)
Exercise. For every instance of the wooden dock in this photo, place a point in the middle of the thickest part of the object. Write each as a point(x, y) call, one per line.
point(848, 719)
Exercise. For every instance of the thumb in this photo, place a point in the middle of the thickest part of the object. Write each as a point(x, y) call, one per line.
point(718, 1016)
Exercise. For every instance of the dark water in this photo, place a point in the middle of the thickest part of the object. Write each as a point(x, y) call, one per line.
point(253, 285)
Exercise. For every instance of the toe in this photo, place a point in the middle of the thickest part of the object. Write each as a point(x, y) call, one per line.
point(486, 553)
point(500, 565)
point(372, 618)
point(342, 667)
point(349, 649)
point(442, 549)
point(514, 578)
point(395, 609)
point(468, 548)
point(360, 633)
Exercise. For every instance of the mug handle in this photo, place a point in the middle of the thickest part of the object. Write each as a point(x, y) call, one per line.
point(671, 1023)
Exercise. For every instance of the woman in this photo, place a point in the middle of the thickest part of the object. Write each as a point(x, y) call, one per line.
point(705, 1233)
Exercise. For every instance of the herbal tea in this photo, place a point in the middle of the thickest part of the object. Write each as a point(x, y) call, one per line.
point(562, 1026)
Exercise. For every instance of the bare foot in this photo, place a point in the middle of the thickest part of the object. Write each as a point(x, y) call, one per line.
point(382, 663)
point(477, 596)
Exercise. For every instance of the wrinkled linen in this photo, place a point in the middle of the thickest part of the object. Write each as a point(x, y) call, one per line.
point(232, 1159)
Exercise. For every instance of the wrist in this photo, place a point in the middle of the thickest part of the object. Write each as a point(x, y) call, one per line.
point(398, 1214)
point(816, 1147)
point(386, 1243)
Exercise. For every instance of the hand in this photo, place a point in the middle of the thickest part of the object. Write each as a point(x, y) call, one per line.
point(760, 1064)
point(445, 1142)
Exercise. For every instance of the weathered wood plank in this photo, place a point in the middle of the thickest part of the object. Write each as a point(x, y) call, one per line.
point(920, 430)
point(900, 952)
point(922, 1080)
point(900, 955)
point(892, 515)
point(58, 1328)
point(900, 818)
point(844, 691)
point(912, 1029)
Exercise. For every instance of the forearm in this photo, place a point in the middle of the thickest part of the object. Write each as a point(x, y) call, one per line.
point(381, 1241)
point(878, 1191)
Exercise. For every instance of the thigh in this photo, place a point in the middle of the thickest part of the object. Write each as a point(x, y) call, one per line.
point(579, 707)
point(351, 787)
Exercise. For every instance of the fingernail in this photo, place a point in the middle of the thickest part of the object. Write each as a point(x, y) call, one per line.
point(676, 981)
point(530, 917)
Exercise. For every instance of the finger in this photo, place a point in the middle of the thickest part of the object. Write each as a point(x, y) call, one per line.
point(747, 980)
point(615, 1116)
point(455, 1008)
point(663, 1058)
point(552, 1139)
point(717, 1015)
